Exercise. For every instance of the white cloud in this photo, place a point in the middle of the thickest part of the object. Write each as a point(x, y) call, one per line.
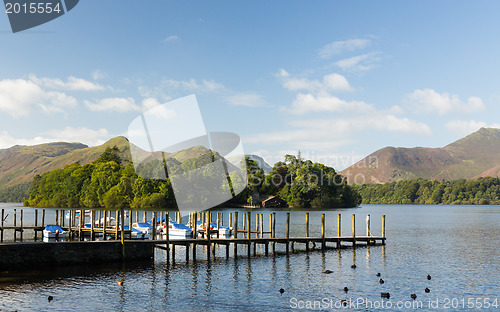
point(466, 127)
point(121, 105)
point(58, 102)
point(330, 82)
point(83, 135)
point(246, 99)
point(69, 134)
point(329, 133)
point(324, 102)
point(430, 101)
point(359, 63)
point(339, 47)
point(162, 111)
point(19, 96)
point(171, 38)
point(72, 83)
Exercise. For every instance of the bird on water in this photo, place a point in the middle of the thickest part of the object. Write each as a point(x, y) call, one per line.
point(50, 298)
point(346, 289)
point(413, 296)
point(427, 290)
point(282, 290)
point(328, 272)
point(428, 277)
point(381, 281)
point(378, 274)
point(353, 266)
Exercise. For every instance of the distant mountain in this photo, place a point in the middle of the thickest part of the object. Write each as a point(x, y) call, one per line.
point(19, 164)
point(478, 154)
point(260, 162)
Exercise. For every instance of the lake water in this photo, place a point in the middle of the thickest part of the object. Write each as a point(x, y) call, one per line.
point(459, 246)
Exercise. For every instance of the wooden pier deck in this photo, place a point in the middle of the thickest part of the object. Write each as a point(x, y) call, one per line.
point(244, 232)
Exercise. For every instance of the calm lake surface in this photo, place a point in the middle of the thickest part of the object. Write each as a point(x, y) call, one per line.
point(459, 246)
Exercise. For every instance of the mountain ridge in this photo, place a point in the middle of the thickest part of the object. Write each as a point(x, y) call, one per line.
point(469, 157)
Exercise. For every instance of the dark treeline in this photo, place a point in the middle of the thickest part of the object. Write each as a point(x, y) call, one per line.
point(482, 191)
point(15, 194)
point(109, 182)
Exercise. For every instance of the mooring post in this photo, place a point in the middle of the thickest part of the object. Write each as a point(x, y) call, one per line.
point(145, 217)
point(21, 225)
point(235, 229)
point(368, 225)
point(80, 223)
point(194, 224)
point(57, 216)
point(36, 223)
point(353, 230)
point(323, 242)
point(167, 233)
point(218, 225)
point(154, 224)
point(92, 217)
point(249, 231)
point(15, 224)
point(69, 221)
point(117, 224)
point(43, 218)
point(122, 238)
point(105, 214)
point(287, 232)
point(3, 213)
point(383, 226)
point(261, 225)
point(273, 234)
point(207, 232)
point(62, 217)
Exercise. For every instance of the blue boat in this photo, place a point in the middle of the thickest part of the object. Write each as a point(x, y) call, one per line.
point(54, 231)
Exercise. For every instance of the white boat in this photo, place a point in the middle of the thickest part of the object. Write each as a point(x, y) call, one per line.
point(140, 230)
point(223, 230)
point(179, 230)
point(54, 231)
point(111, 221)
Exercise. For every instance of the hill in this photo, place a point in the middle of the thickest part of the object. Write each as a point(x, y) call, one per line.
point(478, 154)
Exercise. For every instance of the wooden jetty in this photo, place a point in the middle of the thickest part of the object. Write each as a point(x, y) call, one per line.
point(240, 222)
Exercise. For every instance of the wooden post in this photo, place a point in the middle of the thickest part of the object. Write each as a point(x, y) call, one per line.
point(167, 234)
point(3, 213)
point(274, 232)
point(244, 226)
point(235, 229)
point(130, 222)
point(230, 219)
point(137, 216)
point(287, 232)
point(368, 225)
point(207, 232)
point(323, 243)
point(383, 226)
point(218, 224)
point(57, 217)
point(69, 221)
point(261, 225)
point(105, 213)
point(92, 217)
point(99, 217)
point(117, 222)
point(15, 224)
point(154, 224)
point(80, 220)
point(21, 225)
point(194, 224)
point(36, 223)
point(270, 225)
point(249, 231)
point(353, 230)
point(353, 225)
point(307, 225)
point(62, 217)
point(339, 225)
point(145, 217)
point(122, 234)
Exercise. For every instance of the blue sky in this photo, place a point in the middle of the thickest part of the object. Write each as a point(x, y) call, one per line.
point(336, 80)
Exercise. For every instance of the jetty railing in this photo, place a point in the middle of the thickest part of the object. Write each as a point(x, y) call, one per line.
point(111, 225)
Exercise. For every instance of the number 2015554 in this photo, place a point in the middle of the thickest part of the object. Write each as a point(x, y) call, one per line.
point(32, 8)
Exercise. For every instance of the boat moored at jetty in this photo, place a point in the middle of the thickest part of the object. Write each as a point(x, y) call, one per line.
point(54, 231)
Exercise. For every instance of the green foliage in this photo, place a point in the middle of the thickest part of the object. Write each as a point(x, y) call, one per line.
point(108, 183)
point(16, 193)
point(480, 191)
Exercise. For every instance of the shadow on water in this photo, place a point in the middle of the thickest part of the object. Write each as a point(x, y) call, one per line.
point(55, 273)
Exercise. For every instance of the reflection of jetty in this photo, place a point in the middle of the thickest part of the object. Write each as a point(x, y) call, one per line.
point(244, 234)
